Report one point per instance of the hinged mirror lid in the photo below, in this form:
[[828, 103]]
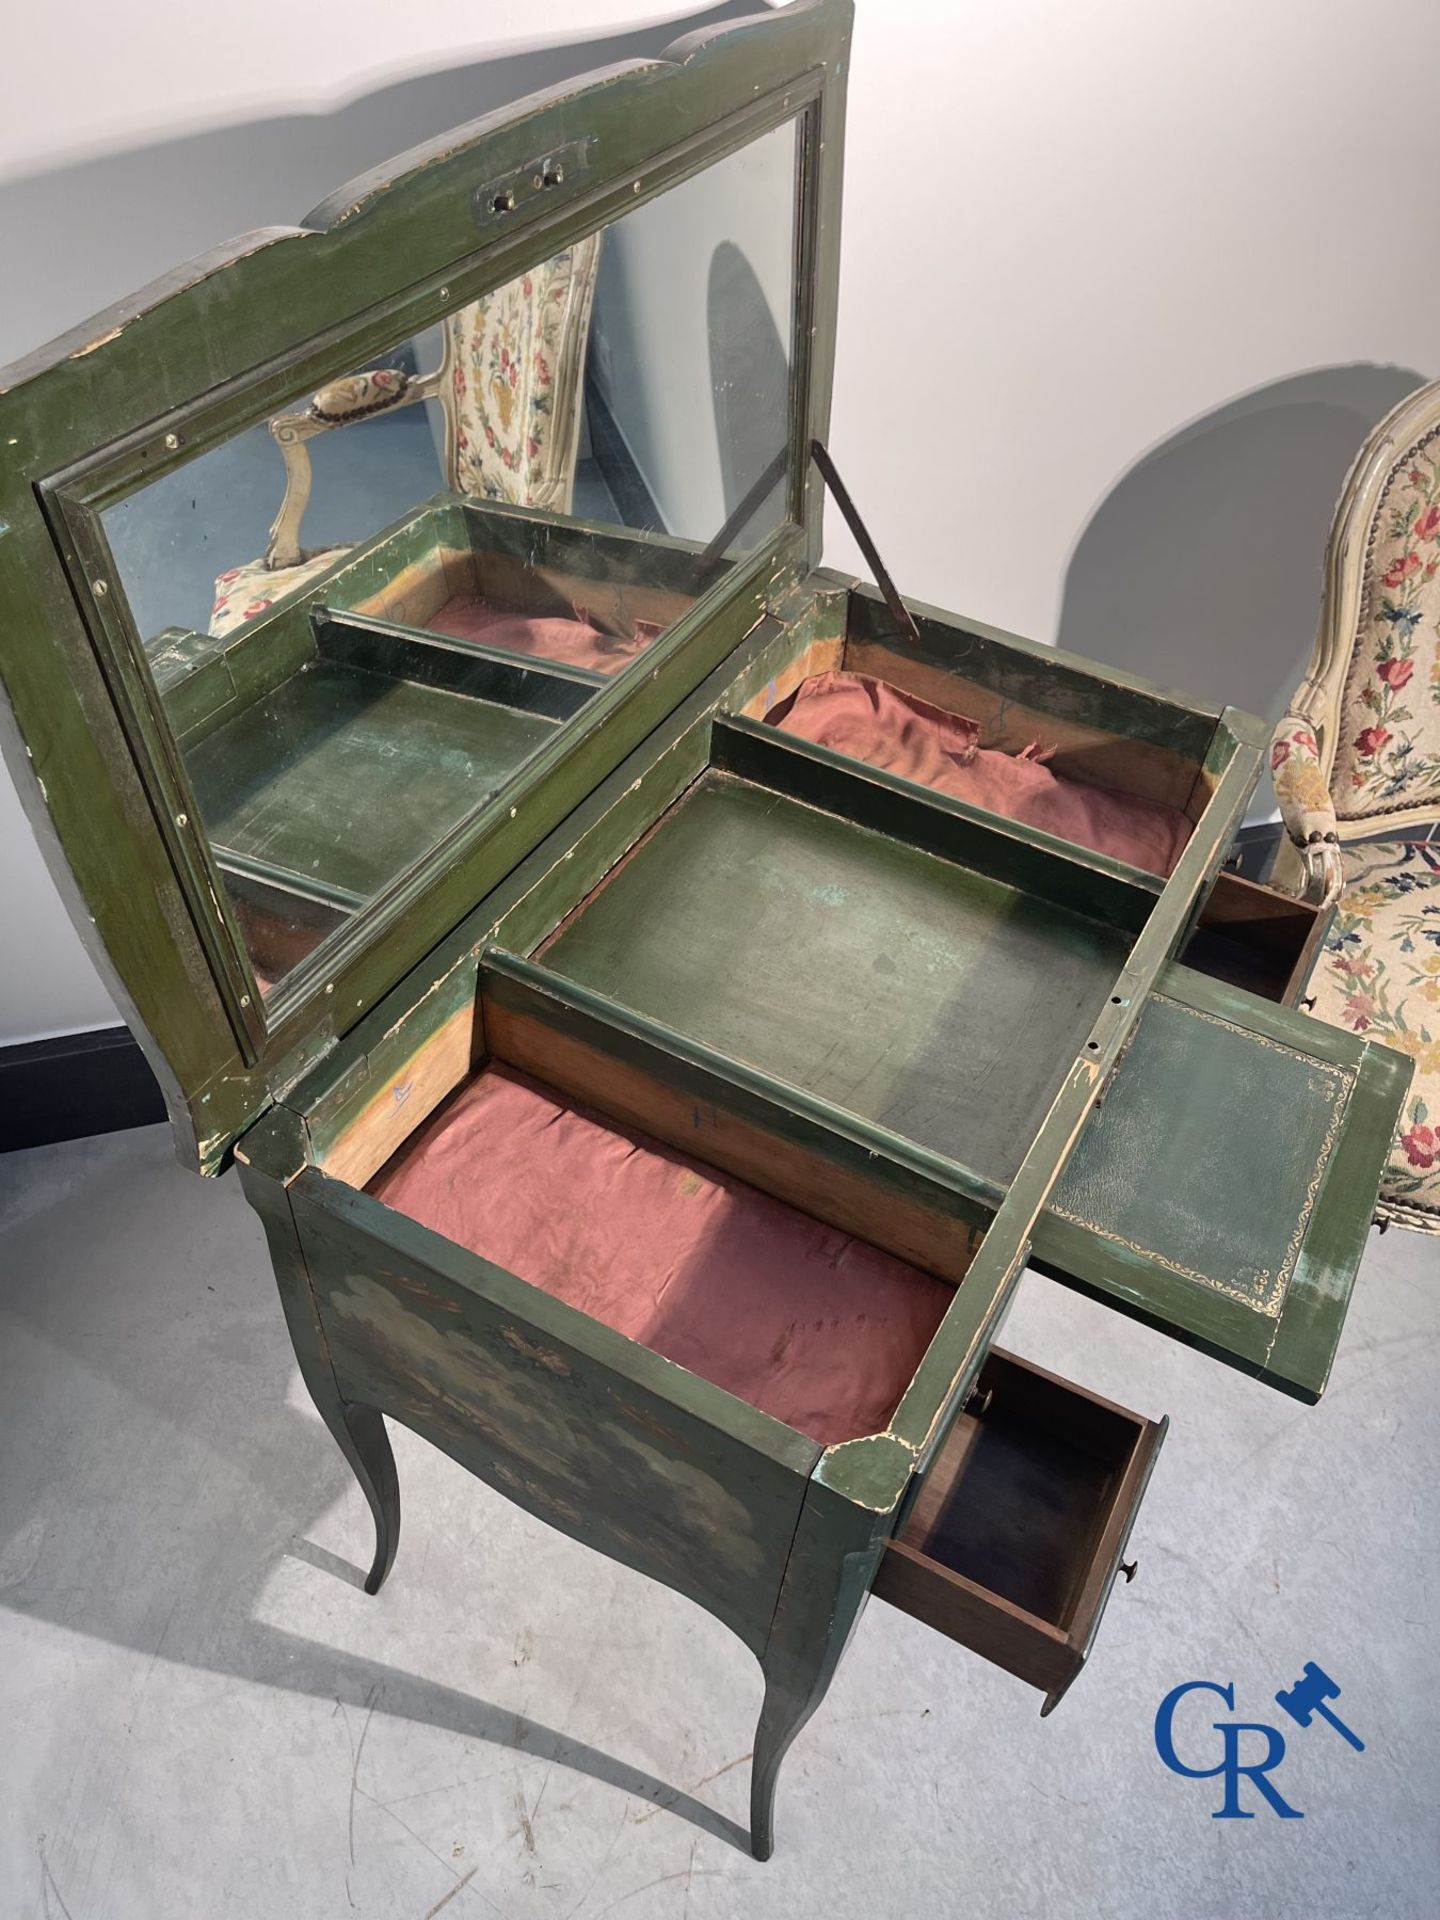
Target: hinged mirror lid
[[338, 566]]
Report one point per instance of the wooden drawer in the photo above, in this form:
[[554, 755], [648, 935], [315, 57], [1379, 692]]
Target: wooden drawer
[[1014, 1539], [1257, 938]]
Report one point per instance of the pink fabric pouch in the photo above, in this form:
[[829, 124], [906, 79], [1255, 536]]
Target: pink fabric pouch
[[577, 643], [818, 1329], [870, 720]]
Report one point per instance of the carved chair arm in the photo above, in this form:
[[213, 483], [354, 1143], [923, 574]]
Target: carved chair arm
[[359, 396], [1306, 807]]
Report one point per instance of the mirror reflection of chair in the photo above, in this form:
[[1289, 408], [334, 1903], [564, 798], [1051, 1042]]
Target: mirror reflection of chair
[[510, 382], [1356, 760]]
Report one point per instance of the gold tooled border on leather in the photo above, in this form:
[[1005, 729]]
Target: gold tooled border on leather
[[1271, 1287]]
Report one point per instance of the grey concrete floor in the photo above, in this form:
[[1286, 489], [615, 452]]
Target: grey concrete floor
[[202, 1716]]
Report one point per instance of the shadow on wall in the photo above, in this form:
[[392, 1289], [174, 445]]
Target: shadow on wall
[[81, 236], [1201, 569]]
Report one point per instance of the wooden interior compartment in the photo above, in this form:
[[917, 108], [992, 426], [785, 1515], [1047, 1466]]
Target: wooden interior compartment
[[931, 976], [1254, 937], [1098, 728], [633, 1168], [995, 956], [1015, 1534], [347, 768], [989, 983], [642, 1076], [448, 554], [459, 561]]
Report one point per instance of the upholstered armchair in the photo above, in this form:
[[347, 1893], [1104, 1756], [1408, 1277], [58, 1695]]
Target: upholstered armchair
[[510, 378], [1357, 773]]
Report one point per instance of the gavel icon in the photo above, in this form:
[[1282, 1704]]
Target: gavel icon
[[1307, 1698]]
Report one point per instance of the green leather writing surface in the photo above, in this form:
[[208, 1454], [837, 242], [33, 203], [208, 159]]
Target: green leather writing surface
[[1223, 1187], [1208, 1153]]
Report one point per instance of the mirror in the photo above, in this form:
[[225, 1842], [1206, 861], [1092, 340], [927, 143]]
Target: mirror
[[366, 612]]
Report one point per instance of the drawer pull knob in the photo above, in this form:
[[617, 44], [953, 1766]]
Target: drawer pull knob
[[1308, 1003], [979, 1403], [1129, 1568]]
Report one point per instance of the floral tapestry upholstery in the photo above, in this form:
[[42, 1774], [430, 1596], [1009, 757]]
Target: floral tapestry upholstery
[[1300, 786], [515, 362], [511, 387], [242, 593], [1379, 975], [1387, 750]]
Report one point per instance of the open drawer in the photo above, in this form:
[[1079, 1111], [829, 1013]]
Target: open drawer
[[1257, 938], [1015, 1536]]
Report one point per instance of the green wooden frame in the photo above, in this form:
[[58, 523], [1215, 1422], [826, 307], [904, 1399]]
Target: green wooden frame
[[242, 330], [1158, 915]]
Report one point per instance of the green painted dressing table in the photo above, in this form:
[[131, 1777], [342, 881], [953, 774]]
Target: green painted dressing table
[[485, 787]]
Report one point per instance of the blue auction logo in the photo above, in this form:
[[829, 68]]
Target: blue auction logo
[[1241, 1760]]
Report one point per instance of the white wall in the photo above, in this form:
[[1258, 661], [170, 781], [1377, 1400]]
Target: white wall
[[656, 351], [1124, 284], [88, 78]]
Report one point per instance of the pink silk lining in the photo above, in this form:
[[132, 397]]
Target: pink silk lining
[[870, 720], [546, 636], [816, 1328]]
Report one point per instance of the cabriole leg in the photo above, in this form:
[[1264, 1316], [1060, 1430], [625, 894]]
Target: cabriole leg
[[826, 1580], [366, 1446], [788, 1704], [358, 1430]]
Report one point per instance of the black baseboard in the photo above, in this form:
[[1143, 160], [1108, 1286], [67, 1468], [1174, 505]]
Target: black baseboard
[[82, 1083]]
